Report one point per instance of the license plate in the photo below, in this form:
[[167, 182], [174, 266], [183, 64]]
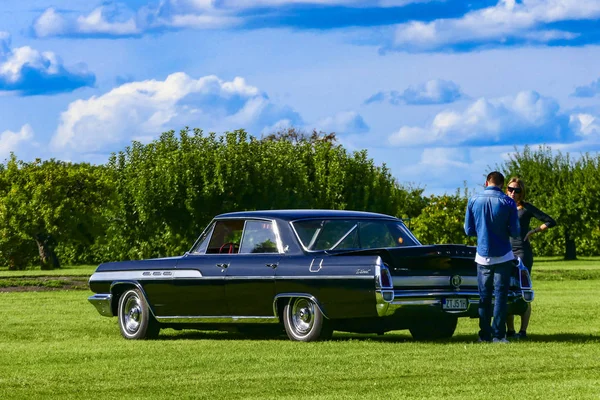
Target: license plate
[[454, 304]]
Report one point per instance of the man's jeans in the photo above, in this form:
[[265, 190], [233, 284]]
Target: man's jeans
[[493, 280]]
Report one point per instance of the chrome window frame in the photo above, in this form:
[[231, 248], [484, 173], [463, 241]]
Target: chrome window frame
[[210, 227]]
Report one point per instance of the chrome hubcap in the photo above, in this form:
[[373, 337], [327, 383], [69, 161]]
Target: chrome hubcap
[[132, 314], [303, 316]]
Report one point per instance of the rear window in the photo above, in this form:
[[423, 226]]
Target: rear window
[[344, 234]]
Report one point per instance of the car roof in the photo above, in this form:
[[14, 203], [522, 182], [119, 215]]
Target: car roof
[[305, 214]]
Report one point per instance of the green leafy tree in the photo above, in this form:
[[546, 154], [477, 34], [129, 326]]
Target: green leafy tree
[[169, 189], [442, 220], [565, 188], [46, 202]]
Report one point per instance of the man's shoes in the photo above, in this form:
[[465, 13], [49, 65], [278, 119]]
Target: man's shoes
[[511, 334], [498, 340], [522, 335]]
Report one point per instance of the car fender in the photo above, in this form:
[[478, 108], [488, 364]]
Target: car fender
[[117, 288], [282, 296]]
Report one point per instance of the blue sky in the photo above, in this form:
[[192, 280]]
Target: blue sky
[[439, 90]]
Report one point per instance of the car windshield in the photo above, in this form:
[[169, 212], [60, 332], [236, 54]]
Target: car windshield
[[348, 234]]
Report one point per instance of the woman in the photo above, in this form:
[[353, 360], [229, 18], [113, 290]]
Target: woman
[[522, 246]]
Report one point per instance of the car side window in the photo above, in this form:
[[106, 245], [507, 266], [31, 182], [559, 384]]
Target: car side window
[[259, 237], [203, 240], [226, 237]]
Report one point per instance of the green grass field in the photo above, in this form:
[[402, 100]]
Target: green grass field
[[78, 270], [54, 344]]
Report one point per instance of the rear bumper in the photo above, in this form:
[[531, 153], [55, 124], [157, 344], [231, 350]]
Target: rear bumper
[[103, 303], [393, 302]]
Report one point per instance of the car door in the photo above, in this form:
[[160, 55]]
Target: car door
[[199, 287], [199, 284], [250, 278]]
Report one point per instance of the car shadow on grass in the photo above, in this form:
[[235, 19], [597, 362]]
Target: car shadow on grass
[[395, 337]]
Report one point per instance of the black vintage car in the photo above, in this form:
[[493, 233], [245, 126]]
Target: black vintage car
[[309, 272]]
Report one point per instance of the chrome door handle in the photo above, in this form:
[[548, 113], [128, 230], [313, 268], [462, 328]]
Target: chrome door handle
[[223, 266], [273, 266]]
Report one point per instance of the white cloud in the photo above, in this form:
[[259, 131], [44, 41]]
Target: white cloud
[[503, 22], [50, 23], [30, 72], [586, 126], [446, 157], [97, 22], [524, 119], [436, 91], [443, 170], [145, 109], [345, 122], [119, 21], [590, 90], [349, 3], [12, 141]]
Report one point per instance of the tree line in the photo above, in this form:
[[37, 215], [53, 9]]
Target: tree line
[[153, 200]]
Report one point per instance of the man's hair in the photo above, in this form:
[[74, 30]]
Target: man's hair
[[496, 178]]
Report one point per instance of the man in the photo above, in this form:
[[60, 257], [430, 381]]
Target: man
[[492, 217]]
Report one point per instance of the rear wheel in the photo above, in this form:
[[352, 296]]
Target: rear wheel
[[135, 319], [442, 327], [304, 321]]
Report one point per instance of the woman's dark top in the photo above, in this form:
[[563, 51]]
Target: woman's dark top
[[520, 247]]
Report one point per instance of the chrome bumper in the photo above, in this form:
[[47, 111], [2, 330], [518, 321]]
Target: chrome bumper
[[103, 303], [390, 301]]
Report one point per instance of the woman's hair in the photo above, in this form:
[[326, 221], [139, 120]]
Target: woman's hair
[[521, 184]]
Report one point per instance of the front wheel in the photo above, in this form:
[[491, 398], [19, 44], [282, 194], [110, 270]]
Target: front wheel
[[135, 319], [442, 327], [304, 321]]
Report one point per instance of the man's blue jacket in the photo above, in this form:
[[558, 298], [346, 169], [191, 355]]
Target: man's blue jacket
[[492, 217]]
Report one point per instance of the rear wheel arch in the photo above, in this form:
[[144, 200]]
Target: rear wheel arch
[[281, 300], [304, 320]]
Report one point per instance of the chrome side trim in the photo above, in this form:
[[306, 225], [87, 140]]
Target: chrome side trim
[[424, 293], [227, 319], [294, 295], [143, 275], [435, 281], [325, 277], [103, 303], [300, 277], [197, 275]]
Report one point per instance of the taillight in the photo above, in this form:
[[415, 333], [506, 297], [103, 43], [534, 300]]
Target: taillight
[[385, 278], [525, 279]]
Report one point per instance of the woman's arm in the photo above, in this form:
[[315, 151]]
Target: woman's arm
[[548, 221]]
